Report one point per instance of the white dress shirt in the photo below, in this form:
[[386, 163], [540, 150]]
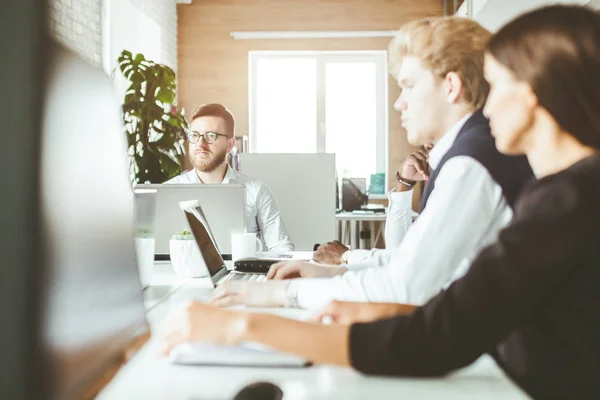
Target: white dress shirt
[[262, 211], [399, 213], [464, 213]]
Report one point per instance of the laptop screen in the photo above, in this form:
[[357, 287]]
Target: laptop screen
[[208, 250]]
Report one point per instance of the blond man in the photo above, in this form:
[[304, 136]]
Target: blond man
[[471, 187]]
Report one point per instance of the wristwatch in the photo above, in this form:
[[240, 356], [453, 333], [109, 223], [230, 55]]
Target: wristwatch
[[405, 182], [291, 295]]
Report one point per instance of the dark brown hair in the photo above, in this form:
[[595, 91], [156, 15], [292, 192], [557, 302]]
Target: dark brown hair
[[216, 110], [446, 44], [556, 50]]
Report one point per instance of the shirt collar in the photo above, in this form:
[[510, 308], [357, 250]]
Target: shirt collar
[[443, 145], [193, 176], [230, 176]]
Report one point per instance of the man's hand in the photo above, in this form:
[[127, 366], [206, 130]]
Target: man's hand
[[302, 269], [257, 294], [416, 166], [202, 323], [347, 313], [330, 253]]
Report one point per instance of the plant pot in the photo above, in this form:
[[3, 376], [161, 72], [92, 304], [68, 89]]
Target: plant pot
[[186, 259], [144, 248]]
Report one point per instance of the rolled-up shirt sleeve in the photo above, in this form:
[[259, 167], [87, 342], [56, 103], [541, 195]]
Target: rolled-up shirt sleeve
[[397, 223], [360, 259], [399, 218]]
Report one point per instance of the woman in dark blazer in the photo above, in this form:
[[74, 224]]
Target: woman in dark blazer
[[532, 299]]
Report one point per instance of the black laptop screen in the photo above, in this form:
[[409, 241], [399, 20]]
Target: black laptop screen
[[208, 250]]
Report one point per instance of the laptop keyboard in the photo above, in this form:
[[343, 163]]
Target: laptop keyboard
[[246, 277]]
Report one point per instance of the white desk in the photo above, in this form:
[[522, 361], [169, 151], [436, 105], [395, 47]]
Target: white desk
[[149, 376]]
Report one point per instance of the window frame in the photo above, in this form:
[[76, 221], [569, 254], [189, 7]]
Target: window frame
[[378, 57]]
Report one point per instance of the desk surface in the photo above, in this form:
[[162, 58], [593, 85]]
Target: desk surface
[[348, 216], [150, 376]]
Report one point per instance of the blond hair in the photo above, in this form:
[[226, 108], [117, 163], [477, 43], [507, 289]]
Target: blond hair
[[443, 45]]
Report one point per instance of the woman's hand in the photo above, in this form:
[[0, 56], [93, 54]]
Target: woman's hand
[[203, 323], [348, 313]]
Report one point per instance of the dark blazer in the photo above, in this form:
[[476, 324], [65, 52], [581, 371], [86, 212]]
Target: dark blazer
[[531, 300], [475, 140]]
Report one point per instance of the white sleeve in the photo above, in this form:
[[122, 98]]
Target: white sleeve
[[397, 223], [460, 210], [360, 259], [270, 223], [399, 218], [357, 257]]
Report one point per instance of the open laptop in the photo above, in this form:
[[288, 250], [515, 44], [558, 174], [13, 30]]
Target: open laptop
[[224, 208], [209, 249], [248, 354]]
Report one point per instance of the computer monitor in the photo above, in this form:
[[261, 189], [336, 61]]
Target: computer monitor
[[313, 188], [22, 43], [91, 304], [224, 207]]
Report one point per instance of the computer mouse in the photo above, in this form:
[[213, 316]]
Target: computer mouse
[[260, 391]]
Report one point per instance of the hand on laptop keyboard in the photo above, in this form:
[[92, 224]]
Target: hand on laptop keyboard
[[303, 269], [258, 294], [245, 277]]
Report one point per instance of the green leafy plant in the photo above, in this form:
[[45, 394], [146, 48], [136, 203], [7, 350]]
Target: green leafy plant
[[155, 129]]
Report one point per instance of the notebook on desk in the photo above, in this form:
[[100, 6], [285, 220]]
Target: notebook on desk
[[243, 355]]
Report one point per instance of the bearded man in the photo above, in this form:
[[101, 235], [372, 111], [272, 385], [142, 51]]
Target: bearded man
[[211, 138]]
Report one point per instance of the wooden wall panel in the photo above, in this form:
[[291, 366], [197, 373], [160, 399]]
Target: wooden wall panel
[[213, 67]]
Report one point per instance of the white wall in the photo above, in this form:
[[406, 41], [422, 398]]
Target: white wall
[[493, 14], [477, 5], [99, 30], [164, 14], [77, 25], [140, 26]]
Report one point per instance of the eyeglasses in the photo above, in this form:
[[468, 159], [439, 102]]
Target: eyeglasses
[[209, 137]]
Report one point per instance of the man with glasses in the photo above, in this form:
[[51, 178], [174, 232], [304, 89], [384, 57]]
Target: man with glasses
[[211, 138]]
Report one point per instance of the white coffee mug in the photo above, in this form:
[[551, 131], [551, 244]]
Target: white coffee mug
[[245, 245], [144, 247]]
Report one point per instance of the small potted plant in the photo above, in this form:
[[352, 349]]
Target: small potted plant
[[185, 256]]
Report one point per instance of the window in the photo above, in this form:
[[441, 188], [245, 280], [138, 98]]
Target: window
[[311, 102]]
